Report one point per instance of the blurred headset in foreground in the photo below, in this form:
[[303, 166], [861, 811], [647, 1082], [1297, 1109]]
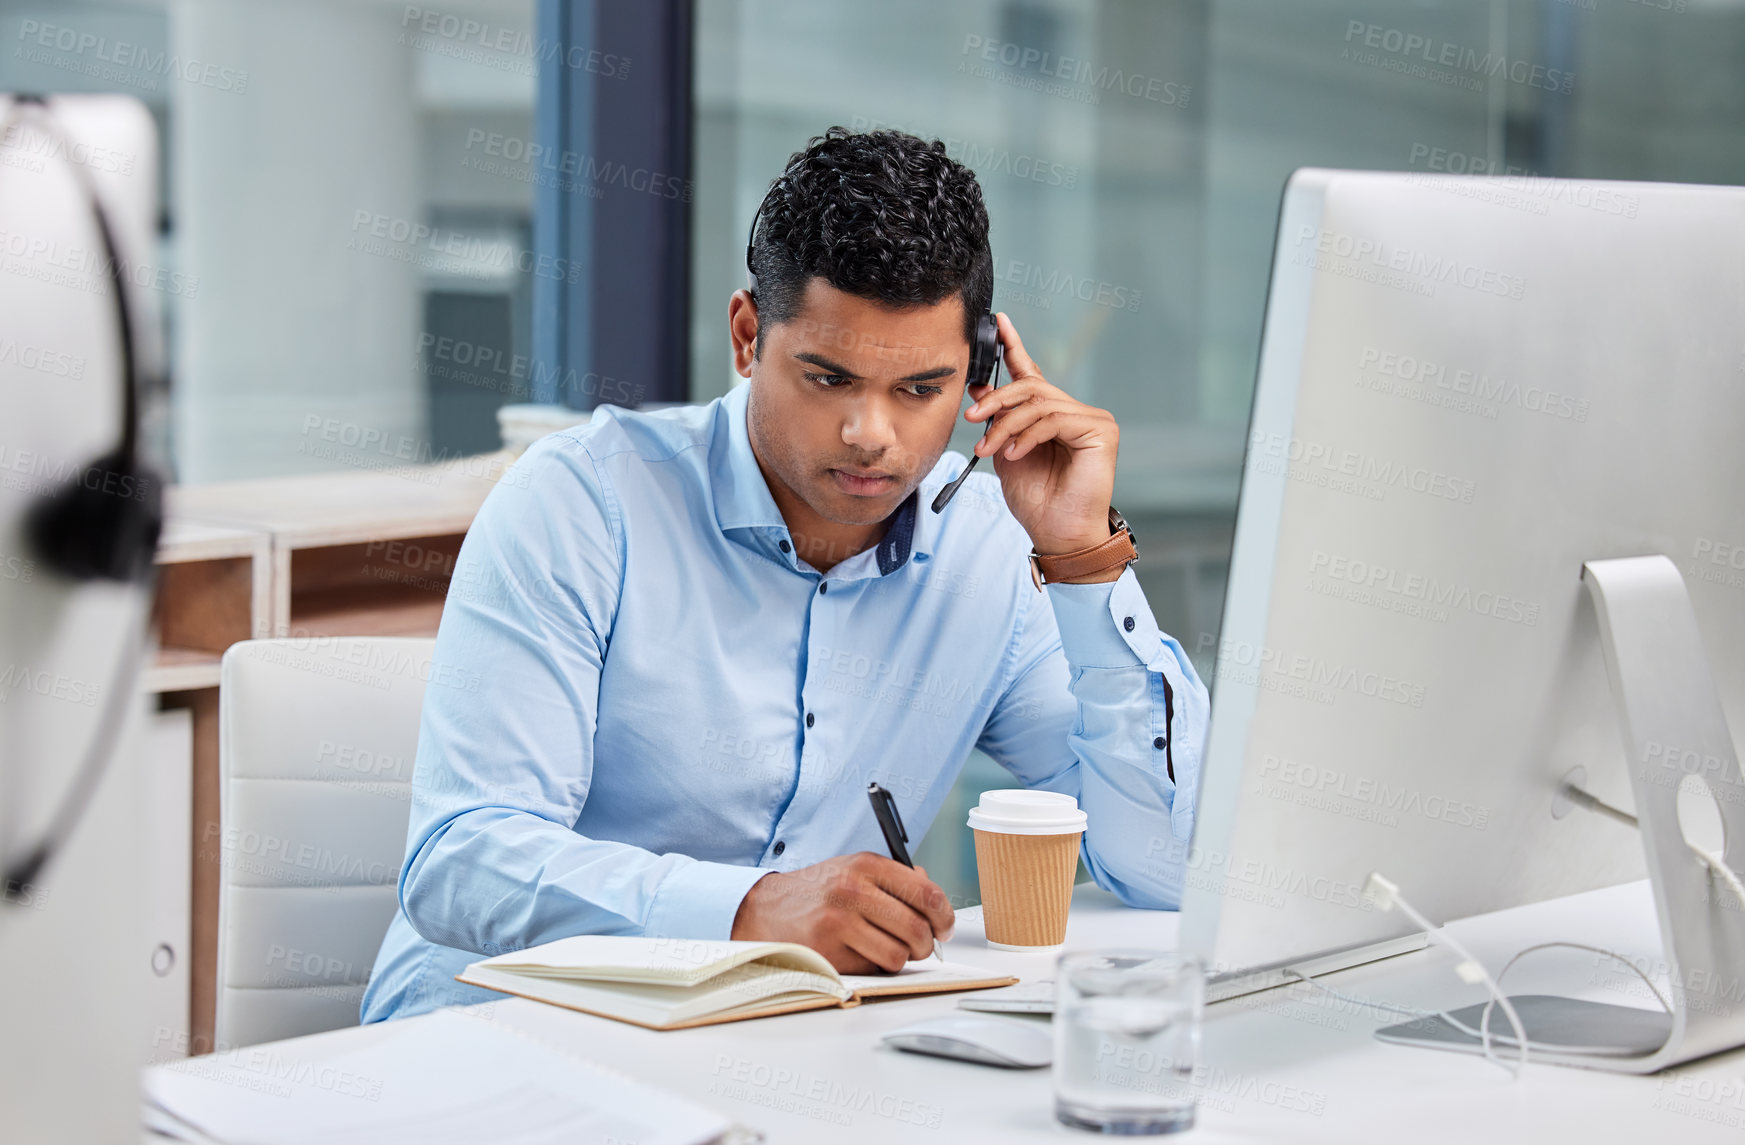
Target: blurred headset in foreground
[[101, 525], [89, 529]]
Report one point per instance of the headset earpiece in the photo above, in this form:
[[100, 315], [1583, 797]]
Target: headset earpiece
[[984, 353], [103, 524]]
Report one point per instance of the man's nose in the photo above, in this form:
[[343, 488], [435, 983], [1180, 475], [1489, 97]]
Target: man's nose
[[869, 427]]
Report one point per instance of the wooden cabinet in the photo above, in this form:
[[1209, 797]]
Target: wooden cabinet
[[331, 554], [214, 585]]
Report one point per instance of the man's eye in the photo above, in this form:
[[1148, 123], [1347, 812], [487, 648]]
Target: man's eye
[[828, 381], [926, 391]]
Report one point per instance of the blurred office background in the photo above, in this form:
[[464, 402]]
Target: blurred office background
[[383, 221]]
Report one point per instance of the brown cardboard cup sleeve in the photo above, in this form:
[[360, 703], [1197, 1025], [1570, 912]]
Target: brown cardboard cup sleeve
[[1027, 848]]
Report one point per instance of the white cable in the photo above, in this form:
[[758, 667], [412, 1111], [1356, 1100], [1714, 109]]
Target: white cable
[[1585, 798], [1713, 859], [1547, 1047], [1719, 866], [1598, 1051], [1356, 1001], [1408, 1011], [1386, 896]]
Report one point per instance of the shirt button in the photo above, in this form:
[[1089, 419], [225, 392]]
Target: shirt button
[[779, 847], [823, 587], [1127, 624], [808, 719], [784, 546], [1158, 743]]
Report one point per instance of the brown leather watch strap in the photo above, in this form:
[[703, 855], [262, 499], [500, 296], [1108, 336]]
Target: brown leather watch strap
[[1119, 549]]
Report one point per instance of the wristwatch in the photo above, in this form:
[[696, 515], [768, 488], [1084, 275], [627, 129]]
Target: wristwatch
[[1119, 549]]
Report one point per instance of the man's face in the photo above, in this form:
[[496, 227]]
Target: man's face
[[852, 402]]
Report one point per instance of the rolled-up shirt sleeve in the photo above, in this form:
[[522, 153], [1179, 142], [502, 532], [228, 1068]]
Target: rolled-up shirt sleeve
[[1106, 707], [504, 764]]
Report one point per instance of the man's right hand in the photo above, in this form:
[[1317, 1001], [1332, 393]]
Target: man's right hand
[[866, 913]]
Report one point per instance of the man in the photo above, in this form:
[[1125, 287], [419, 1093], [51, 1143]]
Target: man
[[702, 632]]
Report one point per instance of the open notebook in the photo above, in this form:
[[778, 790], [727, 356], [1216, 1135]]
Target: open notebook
[[668, 984]]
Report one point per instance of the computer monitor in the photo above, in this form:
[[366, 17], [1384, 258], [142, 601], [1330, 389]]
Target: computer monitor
[[1468, 388]]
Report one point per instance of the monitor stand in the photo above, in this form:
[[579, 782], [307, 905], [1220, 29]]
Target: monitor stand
[[1673, 726], [1599, 1034]]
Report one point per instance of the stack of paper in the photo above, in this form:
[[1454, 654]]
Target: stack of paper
[[444, 1079]]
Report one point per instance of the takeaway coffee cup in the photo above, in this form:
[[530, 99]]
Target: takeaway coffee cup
[[1027, 850]]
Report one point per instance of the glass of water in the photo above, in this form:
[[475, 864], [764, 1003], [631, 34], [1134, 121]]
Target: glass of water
[[1127, 1040]]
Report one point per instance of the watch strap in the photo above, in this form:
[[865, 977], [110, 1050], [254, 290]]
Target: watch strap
[[1119, 549]]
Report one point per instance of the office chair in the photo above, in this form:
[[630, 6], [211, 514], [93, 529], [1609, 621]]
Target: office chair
[[316, 746]]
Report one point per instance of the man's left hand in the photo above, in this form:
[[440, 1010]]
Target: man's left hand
[[1055, 456]]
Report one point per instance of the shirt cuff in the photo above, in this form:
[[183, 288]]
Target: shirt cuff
[[1105, 625], [700, 900]]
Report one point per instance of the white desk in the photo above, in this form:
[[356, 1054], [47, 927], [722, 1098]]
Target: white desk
[[1287, 1065]]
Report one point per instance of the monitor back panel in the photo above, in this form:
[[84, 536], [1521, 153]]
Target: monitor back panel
[[1467, 388]]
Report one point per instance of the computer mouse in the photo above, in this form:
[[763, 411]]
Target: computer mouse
[[1008, 1042]]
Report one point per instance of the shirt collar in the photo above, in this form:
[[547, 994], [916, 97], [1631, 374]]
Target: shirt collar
[[742, 497], [899, 538], [743, 501]]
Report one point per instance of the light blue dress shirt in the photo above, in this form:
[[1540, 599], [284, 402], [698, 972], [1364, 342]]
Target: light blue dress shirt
[[674, 704]]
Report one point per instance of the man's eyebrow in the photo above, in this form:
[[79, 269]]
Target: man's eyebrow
[[825, 364], [828, 366]]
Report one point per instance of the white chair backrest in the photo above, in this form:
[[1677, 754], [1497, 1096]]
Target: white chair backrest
[[316, 744]]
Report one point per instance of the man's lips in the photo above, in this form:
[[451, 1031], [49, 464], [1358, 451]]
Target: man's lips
[[862, 484]]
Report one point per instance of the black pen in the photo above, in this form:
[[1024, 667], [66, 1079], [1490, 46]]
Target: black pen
[[891, 823]]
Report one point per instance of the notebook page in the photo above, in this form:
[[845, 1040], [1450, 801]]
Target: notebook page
[[924, 975], [678, 961]]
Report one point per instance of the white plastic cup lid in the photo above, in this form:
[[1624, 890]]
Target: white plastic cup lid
[[1026, 812]]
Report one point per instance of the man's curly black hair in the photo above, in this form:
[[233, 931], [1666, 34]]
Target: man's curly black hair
[[881, 215]]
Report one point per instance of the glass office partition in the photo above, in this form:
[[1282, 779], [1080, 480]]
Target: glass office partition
[[1132, 153], [347, 215]]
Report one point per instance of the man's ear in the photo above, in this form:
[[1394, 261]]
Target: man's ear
[[742, 329]]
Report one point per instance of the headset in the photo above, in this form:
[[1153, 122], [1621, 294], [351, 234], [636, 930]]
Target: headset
[[985, 350], [102, 524], [95, 527]]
